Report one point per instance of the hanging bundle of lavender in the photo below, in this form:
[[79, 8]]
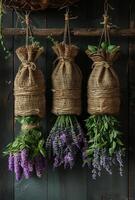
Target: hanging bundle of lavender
[[26, 154], [66, 138], [105, 147]]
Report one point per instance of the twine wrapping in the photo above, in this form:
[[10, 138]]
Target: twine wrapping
[[29, 85], [29, 126], [103, 85], [67, 81], [36, 5]]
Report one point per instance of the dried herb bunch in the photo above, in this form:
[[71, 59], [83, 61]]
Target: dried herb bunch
[[27, 152], [105, 148], [65, 141], [66, 138]]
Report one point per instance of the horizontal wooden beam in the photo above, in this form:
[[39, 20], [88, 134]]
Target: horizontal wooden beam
[[90, 32]]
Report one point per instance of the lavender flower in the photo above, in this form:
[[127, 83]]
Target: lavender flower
[[24, 163], [68, 160], [30, 166], [57, 162], [11, 162], [63, 138], [120, 161], [39, 166], [66, 139], [17, 166], [24, 158]]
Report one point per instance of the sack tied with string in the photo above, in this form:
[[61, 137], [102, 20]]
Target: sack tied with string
[[66, 138], [67, 81], [104, 138], [29, 85], [103, 85], [26, 154]]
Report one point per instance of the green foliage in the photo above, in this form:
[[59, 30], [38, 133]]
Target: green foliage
[[52, 40], [103, 133], [64, 121], [32, 40], [30, 139], [104, 47]]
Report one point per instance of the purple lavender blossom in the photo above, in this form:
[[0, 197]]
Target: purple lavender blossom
[[120, 161], [39, 166], [24, 158], [30, 166], [66, 142], [57, 162], [11, 162], [68, 160], [24, 163], [17, 166], [63, 138]]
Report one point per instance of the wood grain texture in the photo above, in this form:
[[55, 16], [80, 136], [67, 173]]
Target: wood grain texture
[[6, 115], [79, 32], [131, 68], [76, 184], [114, 187], [34, 188]]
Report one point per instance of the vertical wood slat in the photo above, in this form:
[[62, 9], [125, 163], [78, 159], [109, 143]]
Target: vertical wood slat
[[6, 115], [34, 188], [63, 184], [76, 184], [113, 187], [132, 105]]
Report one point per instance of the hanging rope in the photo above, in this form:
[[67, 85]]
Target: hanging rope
[[106, 23], [67, 33], [28, 30]]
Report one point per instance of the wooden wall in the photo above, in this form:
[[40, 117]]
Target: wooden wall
[[73, 184]]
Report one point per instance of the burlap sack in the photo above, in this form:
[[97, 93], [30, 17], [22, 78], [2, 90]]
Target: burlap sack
[[67, 81], [36, 5], [29, 85], [103, 85]]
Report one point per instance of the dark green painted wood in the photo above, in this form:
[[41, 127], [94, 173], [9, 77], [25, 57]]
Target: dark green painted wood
[[6, 116], [131, 67], [34, 188], [114, 187], [66, 184]]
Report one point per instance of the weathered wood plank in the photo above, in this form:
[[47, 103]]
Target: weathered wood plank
[[64, 184], [82, 32], [114, 187], [33, 188], [6, 116], [131, 67]]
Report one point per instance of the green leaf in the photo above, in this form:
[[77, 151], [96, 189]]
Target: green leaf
[[114, 145], [104, 45], [119, 142], [43, 152], [92, 49]]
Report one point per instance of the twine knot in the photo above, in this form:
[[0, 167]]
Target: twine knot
[[63, 59], [101, 63], [29, 65]]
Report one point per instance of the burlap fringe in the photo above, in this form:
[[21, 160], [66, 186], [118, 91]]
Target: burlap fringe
[[29, 84], [103, 85], [67, 81]]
